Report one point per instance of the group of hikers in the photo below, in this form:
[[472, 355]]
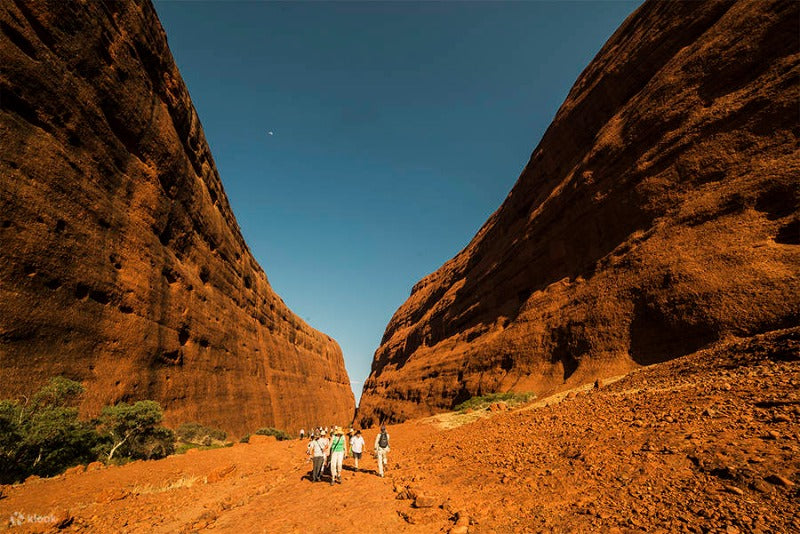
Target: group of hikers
[[328, 447]]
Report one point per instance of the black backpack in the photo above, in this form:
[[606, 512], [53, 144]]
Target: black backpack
[[383, 441]]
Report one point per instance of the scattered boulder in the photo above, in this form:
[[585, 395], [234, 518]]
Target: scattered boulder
[[63, 519], [424, 501], [111, 494], [219, 474], [74, 470], [498, 407], [94, 466], [779, 480]]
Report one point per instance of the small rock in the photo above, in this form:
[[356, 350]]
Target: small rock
[[761, 486], [94, 466], [781, 418], [406, 517], [219, 474], [111, 495], [772, 434], [63, 519], [779, 480], [75, 470], [734, 490], [424, 501]]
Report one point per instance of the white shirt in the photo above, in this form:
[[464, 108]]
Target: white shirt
[[357, 443]]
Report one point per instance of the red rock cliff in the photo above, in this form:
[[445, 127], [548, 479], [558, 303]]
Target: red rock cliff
[[658, 214], [121, 263]]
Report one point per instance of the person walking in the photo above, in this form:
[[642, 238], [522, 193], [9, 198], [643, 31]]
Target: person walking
[[316, 451], [382, 449], [338, 448], [324, 442], [357, 447]]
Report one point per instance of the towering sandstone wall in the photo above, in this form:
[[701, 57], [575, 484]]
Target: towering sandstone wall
[[121, 263], [658, 214]]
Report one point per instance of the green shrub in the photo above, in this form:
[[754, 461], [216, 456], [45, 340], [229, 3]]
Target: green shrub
[[280, 435], [198, 434], [482, 402], [133, 432], [43, 435]]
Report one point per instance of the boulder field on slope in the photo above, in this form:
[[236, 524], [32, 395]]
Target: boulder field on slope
[[121, 262], [658, 214]]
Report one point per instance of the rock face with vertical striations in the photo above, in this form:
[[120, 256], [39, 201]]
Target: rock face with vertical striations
[[658, 215], [121, 263]]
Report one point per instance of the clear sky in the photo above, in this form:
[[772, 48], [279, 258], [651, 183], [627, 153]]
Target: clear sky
[[364, 144]]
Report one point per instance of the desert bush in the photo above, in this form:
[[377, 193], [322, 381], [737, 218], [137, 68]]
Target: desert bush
[[133, 431], [42, 435], [198, 434], [483, 401], [280, 435]]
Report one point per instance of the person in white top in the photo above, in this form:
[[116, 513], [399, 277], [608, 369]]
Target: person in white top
[[316, 452], [357, 447], [324, 441]]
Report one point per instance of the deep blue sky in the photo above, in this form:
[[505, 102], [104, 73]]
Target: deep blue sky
[[398, 128]]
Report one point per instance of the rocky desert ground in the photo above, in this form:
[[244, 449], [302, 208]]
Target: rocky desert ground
[[705, 443]]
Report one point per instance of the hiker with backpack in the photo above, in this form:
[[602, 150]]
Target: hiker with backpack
[[337, 448], [316, 452], [382, 449]]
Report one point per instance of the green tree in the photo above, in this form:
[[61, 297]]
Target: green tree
[[133, 430], [42, 435]]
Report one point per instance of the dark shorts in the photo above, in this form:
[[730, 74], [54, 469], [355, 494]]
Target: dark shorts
[[357, 455]]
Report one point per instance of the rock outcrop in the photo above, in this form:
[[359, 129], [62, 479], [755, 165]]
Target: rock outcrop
[[121, 262], [658, 215]]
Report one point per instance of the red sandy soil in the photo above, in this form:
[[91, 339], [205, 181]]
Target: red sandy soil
[[704, 443]]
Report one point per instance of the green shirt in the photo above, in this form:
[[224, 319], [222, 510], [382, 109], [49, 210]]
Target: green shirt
[[337, 444]]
